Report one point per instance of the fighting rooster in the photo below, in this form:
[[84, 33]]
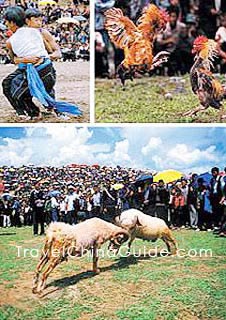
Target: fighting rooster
[[208, 89], [136, 41]]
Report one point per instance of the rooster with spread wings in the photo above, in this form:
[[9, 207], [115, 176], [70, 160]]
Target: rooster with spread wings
[[136, 40], [209, 90]]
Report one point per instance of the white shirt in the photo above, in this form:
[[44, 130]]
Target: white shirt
[[89, 206], [28, 42], [62, 206], [217, 4], [221, 35], [54, 203], [70, 198], [96, 199]]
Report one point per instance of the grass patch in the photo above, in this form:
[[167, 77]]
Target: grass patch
[[143, 100], [129, 288]]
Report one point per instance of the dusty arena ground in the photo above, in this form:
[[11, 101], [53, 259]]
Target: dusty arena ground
[[72, 86], [138, 287]]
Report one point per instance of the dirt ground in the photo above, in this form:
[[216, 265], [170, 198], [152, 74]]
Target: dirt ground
[[134, 287], [72, 86]]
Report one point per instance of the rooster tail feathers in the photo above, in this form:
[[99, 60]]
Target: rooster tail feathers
[[152, 18], [121, 29]]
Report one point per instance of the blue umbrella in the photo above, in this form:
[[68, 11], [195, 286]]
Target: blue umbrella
[[54, 193], [6, 196], [144, 177], [206, 176]]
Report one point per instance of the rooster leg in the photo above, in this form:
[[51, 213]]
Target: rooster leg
[[204, 104], [159, 59], [194, 111], [124, 73]]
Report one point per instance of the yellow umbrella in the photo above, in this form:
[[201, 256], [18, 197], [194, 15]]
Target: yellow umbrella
[[45, 2], [168, 176], [67, 20], [117, 186]]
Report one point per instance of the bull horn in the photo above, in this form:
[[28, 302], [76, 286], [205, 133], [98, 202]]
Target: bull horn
[[138, 222], [117, 218], [124, 232]]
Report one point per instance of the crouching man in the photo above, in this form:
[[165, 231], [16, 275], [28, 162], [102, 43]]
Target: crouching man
[[35, 76]]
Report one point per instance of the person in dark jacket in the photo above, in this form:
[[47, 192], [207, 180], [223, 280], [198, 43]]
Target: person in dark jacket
[[204, 206], [216, 194], [16, 206], [37, 202], [109, 199], [209, 13], [150, 200], [162, 201]]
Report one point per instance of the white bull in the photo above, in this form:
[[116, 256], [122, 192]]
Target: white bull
[[146, 227]]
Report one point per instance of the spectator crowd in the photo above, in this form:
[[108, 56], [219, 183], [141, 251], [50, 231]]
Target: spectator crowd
[[68, 24], [187, 20], [36, 196]]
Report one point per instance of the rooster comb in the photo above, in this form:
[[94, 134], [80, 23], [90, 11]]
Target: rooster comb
[[200, 41], [205, 48]]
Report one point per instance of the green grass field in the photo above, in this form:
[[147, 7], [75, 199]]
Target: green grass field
[[143, 100], [143, 288]]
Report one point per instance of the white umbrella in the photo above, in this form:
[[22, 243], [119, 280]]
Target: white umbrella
[[67, 20], [80, 18]]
